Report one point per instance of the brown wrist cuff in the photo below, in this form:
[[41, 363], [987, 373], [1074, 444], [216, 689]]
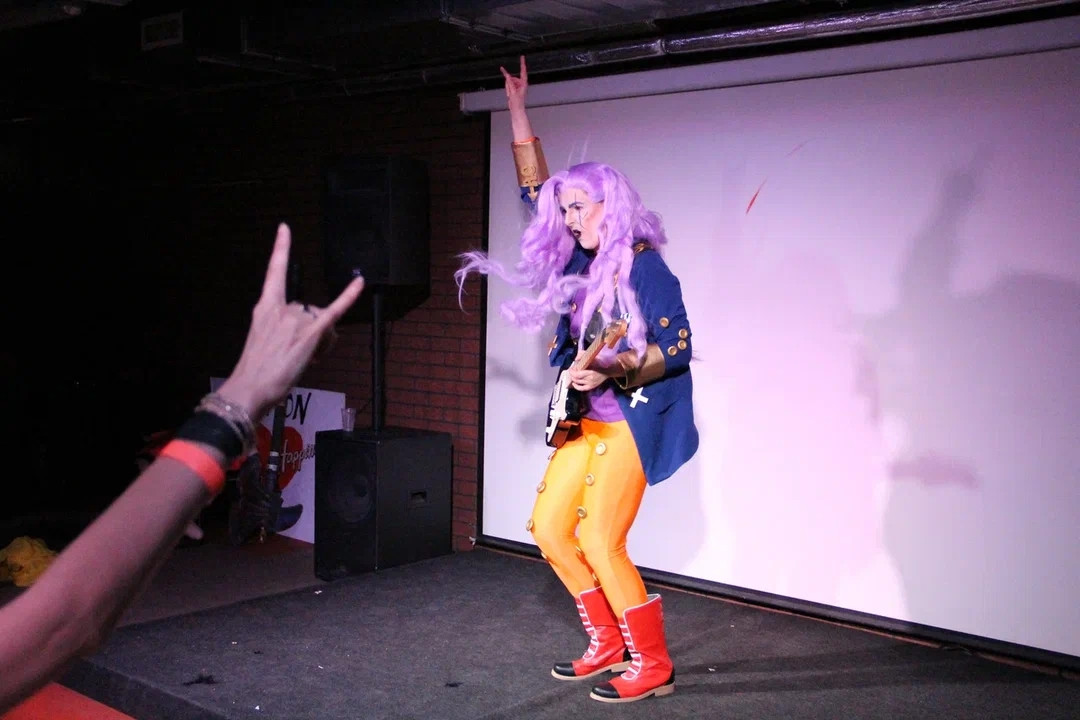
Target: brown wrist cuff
[[636, 374], [532, 169]]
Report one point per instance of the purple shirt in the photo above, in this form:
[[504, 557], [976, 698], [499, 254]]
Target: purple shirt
[[603, 406]]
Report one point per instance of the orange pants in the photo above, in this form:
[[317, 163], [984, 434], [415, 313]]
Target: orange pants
[[584, 508]]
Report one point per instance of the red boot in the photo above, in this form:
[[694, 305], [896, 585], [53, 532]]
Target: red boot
[[651, 672], [606, 651]]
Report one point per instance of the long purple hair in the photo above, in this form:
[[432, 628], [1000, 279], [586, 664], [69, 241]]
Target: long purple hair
[[546, 246]]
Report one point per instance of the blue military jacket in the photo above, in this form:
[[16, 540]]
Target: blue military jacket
[[661, 413]]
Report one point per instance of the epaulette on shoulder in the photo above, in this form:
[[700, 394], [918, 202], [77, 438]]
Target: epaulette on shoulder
[[642, 246]]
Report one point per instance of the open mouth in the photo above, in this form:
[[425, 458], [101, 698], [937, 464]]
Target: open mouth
[[576, 234]]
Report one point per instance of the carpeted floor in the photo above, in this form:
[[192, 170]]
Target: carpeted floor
[[474, 635], [214, 574]]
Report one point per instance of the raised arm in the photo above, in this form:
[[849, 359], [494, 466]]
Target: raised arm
[[532, 169], [516, 90]]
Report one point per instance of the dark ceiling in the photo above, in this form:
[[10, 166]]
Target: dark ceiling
[[70, 55]]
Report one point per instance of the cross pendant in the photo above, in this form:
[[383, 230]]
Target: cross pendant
[[638, 395]]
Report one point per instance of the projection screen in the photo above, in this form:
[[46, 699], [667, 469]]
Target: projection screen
[[879, 249]]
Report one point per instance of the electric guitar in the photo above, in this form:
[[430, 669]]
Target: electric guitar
[[273, 466], [258, 508], [567, 405]]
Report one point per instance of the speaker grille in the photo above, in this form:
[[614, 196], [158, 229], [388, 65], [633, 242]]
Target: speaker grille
[[345, 507], [382, 498], [357, 225], [378, 220]]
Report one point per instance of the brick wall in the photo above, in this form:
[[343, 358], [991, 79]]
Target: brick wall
[[201, 196]]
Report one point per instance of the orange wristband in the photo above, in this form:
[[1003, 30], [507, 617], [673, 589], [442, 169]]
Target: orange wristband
[[199, 461]]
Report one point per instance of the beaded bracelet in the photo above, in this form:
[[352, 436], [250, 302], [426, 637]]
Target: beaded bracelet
[[199, 461], [235, 415]]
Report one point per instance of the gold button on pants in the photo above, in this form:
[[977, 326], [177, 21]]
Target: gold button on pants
[[613, 487]]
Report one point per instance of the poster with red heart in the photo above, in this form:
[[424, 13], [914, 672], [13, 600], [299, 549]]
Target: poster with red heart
[[307, 411]]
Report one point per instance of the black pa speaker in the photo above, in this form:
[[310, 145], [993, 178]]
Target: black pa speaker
[[382, 498], [377, 223]]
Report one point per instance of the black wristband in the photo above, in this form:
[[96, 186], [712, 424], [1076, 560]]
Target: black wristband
[[215, 431]]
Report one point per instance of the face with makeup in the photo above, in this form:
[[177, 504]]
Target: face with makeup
[[582, 217]]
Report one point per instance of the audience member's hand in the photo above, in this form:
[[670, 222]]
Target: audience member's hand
[[283, 337]]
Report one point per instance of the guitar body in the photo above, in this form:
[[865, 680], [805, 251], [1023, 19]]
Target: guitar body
[[258, 510], [565, 410], [567, 405]]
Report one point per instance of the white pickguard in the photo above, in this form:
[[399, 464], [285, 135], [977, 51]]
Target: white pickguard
[[557, 407]]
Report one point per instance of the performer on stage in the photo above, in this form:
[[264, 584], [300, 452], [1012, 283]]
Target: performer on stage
[[592, 252]]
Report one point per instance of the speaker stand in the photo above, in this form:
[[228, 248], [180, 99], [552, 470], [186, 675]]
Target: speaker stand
[[377, 350]]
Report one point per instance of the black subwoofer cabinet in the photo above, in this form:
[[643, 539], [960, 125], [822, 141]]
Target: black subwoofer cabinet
[[382, 499]]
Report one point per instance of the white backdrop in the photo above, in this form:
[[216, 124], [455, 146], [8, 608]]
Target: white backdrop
[[882, 272]]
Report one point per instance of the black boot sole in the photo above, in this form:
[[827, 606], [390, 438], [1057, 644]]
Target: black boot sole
[[616, 668]]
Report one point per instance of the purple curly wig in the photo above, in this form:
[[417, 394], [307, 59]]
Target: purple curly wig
[[546, 246]]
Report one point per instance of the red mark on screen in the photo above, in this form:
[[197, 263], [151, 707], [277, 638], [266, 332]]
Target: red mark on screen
[[757, 192]]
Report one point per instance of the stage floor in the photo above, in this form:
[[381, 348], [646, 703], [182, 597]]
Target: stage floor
[[250, 632]]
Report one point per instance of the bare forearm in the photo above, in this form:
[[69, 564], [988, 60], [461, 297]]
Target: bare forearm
[[520, 125], [74, 605]]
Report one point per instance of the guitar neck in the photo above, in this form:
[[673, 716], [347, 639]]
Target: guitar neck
[[591, 352], [277, 441], [278, 433]]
